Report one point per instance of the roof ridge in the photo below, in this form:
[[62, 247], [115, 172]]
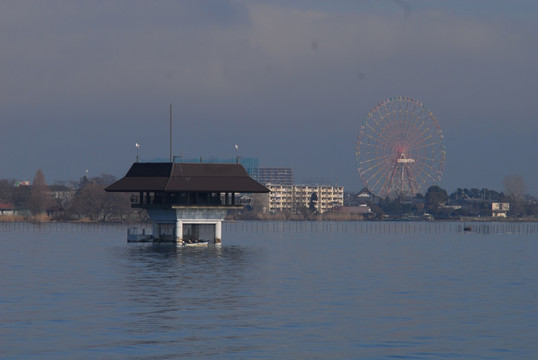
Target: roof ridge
[[169, 175]]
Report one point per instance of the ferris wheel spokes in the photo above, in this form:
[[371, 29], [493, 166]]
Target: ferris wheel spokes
[[400, 148], [386, 171]]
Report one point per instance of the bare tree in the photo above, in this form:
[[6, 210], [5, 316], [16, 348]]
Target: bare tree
[[516, 190], [97, 205], [515, 187], [40, 197], [260, 203]]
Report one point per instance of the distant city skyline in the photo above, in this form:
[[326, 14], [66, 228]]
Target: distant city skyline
[[289, 82]]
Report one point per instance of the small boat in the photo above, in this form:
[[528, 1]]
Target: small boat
[[467, 228], [195, 243]]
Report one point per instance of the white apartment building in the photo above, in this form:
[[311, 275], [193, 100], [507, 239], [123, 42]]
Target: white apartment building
[[293, 197]]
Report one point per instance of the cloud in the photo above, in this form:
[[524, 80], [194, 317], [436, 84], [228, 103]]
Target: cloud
[[112, 49]]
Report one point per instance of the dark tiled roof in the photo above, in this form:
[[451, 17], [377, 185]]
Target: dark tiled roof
[[180, 177]]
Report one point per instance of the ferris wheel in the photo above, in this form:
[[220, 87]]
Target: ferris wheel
[[400, 148]]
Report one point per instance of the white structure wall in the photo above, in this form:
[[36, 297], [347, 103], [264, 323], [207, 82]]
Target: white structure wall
[[291, 197], [499, 209]]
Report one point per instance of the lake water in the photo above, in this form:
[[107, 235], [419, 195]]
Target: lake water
[[284, 290]]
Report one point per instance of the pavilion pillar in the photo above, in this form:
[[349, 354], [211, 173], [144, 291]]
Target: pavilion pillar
[[218, 232], [156, 230], [179, 231]]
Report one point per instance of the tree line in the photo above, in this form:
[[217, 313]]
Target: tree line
[[84, 200], [465, 202]]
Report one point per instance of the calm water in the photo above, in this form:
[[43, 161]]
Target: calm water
[[272, 291]]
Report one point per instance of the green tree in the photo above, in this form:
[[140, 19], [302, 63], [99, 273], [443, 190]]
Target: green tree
[[376, 210], [435, 197], [6, 191], [20, 196], [313, 205]]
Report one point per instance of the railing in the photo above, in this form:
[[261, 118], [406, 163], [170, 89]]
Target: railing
[[160, 200]]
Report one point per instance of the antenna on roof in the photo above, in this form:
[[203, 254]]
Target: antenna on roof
[[171, 159], [236, 154]]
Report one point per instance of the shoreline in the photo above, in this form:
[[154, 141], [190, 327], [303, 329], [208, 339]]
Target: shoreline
[[41, 220]]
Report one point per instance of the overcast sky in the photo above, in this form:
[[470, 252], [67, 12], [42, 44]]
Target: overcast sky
[[290, 82]]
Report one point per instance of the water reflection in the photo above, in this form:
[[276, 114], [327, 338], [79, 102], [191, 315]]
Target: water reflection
[[185, 295], [172, 259]]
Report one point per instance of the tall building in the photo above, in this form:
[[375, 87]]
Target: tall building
[[293, 197], [281, 176], [250, 164], [264, 175]]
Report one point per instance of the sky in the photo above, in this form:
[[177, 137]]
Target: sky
[[290, 82]]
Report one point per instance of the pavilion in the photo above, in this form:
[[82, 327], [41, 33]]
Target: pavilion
[[185, 201]]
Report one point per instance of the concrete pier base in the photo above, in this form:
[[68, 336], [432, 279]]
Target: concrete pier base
[[188, 223], [218, 232], [156, 230], [179, 231]]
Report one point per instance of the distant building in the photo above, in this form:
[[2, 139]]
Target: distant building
[[250, 164], [499, 209], [263, 175], [7, 209], [293, 197], [62, 194], [364, 196], [280, 176]]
